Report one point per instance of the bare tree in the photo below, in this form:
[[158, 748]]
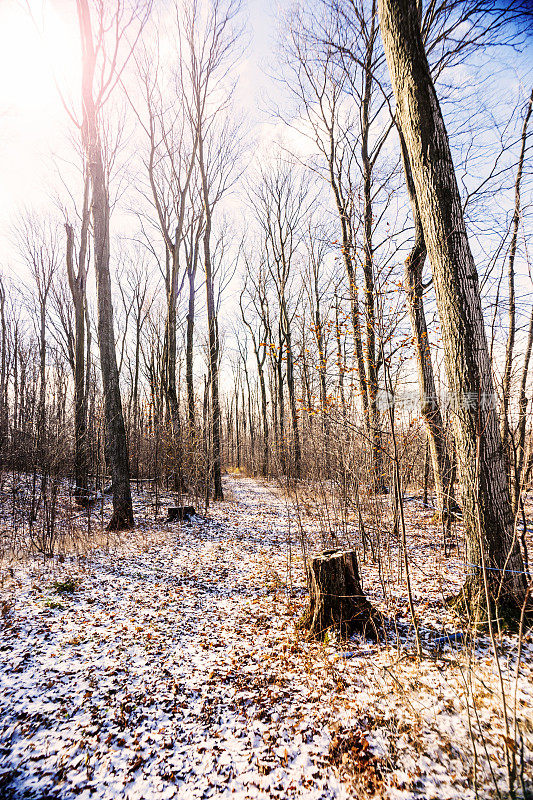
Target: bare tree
[[39, 247], [4, 358], [337, 65], [77, 280], [211, 41], [511, 334], [102, 66], [492, 547], [170, 163], [192, 252], [282, 200], [257, 324], [430, 407], [136, 291]]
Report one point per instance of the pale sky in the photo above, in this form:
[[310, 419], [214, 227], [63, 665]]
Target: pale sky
[[34, 126], [38, 56], [33, 123]]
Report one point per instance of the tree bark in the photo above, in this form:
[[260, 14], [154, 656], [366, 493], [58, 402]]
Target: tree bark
[[260, 360], [337, 600], [214, 347], [77, 285], [347, 255], [371, 366], [520, 457], [285, 324], [341, 363], [117, 447], [280, 404], [4, 380], [436, 437], [171, 349], [189, 345], [318, 330], [509, 350], [492, 550]]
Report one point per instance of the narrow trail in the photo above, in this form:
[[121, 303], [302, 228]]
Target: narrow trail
[[171, 670], [175, 669]]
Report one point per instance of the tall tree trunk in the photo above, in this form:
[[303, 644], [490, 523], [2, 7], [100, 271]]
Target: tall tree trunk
[[490, 539], [506, 383], [171, 387], [42, 438], [369, 350], [297, 454], [171, 351], [347, 255], [264, 409], [251, 422], [16, 392], [520, 458], [41, 415], [77, 290], [414, 264], [260, 360], [214, 348], [135, 395], [280, 405], [340, 362], [117, 447], [322, 365], [3, 379], [189, 346]]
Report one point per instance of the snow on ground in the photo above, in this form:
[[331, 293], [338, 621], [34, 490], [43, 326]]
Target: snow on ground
[[175, 669]]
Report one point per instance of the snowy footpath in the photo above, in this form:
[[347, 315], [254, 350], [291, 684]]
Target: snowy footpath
[[167, 671], [169, 664]]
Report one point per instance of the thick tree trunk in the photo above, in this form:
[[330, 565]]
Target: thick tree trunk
[[436, 437], [337, 600], [117, 448], [493, 552]]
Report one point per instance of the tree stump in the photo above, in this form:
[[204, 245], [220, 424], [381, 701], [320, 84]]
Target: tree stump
[[180, 513], [336, 597]]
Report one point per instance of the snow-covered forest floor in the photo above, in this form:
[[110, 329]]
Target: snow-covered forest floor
[[167, 662]]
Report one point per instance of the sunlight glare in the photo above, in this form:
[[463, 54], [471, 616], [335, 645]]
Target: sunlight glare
[[35, 54]]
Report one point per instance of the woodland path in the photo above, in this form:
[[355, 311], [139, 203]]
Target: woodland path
[[172, 670]]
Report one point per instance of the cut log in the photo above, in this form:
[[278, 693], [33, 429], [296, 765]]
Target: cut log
[[337, 600], [180, 513]]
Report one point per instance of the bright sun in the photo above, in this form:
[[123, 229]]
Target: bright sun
[[34, 53]]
